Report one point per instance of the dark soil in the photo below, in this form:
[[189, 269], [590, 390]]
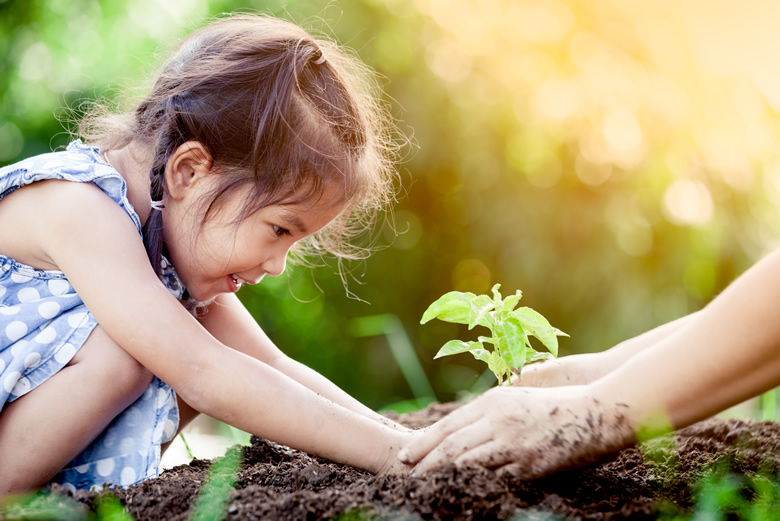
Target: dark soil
[[276, 482]]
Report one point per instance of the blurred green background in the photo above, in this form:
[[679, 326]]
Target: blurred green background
[[617, 161]]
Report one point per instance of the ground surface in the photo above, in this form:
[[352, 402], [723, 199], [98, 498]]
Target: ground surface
[[276, 482]]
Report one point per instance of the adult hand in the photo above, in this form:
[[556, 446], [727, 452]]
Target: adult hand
[[570, 370], [525, 432]]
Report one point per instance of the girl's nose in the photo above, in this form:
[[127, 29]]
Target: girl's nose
[[275, 264]]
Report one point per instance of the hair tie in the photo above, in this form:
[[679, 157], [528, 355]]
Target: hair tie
[[157, 205], [320, 60]]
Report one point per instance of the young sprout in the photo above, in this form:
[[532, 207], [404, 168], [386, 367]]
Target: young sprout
[[510, 330]]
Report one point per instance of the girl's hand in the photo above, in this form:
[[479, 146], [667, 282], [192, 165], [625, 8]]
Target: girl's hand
[[391, 464], [526, 432]]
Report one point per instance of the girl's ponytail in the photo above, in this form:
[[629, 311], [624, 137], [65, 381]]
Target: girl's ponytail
[[153, 227], [166, 117]]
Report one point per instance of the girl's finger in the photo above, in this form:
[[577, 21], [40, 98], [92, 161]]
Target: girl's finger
[[435, 434], [453, 446]]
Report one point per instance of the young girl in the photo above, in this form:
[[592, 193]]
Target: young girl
[[120, 259]]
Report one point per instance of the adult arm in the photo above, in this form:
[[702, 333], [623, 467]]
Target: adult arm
[[727, 353], [105, 261], [230, 323], [588, 367]]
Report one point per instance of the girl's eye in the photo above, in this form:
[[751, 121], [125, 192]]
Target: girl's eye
[[280, 232]]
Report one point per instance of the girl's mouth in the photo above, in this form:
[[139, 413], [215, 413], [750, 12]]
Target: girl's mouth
[[234, 283]]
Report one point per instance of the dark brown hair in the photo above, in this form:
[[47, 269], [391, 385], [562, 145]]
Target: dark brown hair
[[280, 112]]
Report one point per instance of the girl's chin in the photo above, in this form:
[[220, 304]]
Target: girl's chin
[[204, 296]]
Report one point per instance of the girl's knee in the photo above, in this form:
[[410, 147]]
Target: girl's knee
[[111, 367]]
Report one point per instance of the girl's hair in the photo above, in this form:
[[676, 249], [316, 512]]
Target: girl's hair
[[280, 112]]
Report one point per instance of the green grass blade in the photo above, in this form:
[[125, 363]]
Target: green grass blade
[[212, 501]]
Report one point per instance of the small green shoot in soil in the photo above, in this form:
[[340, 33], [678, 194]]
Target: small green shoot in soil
[[109, 508], [186, 446], [510, 330], [212, 501]]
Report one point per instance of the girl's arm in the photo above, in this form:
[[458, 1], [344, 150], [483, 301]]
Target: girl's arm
[[589, 367], [105, 261], [728, 352], [230, 323]]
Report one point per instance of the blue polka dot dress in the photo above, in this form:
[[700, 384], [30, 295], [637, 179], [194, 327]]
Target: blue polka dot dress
[[43, 323]]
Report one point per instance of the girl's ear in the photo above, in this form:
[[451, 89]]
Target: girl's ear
[[186, 166]]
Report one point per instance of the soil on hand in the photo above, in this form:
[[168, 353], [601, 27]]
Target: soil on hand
[[276, 482]]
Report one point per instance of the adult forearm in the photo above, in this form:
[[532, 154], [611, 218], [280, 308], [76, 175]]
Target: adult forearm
[[625, 350], [585, 368], [727, 353]]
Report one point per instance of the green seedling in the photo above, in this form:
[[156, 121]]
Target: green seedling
[[510, 329]]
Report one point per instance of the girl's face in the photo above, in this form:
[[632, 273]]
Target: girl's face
[[219, 256]]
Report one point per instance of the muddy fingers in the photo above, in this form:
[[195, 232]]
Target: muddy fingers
[[456, 447], [427, 440]]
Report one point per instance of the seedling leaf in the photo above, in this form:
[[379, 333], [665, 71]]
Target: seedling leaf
[[481, 354], [511, 301], [453, 347], [536, 325], [535, 356], [481, 307], [511, 341], [497, 365], [454, 306], [510, 329], [496, 295]]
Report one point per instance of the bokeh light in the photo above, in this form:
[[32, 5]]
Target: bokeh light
[[616, 161]]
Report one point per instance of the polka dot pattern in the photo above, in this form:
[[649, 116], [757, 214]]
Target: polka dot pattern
[[106, 466], [49, 309], [22, 386], [43, 324], [64, 354], [10, 379], [15, 330], [28, 295], [127, 477], [9, 310], [77, 319], [46, 336], [21, 277], [58, 287], [17, 348], [31, 360]]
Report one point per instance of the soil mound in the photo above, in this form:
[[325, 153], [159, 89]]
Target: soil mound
[[276, 482]]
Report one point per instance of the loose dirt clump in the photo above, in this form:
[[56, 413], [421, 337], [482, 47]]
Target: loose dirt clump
[[276, 482]]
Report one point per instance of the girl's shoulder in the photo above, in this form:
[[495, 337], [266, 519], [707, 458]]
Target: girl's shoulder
[[77, 163]]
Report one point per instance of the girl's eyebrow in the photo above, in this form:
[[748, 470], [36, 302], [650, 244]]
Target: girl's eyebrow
[[293, 221]]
